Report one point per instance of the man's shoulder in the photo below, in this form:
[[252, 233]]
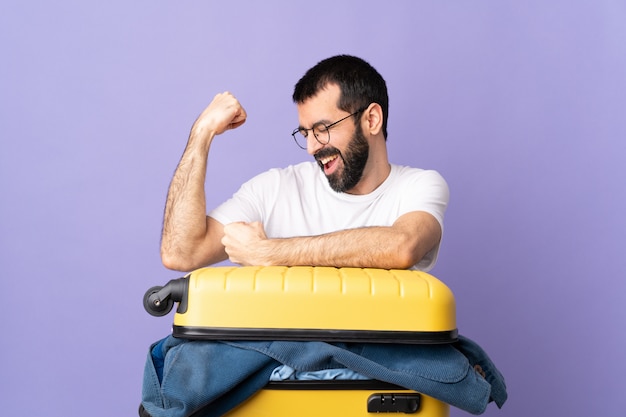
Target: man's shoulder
[[296, 173], [303, 169], [404, 173]]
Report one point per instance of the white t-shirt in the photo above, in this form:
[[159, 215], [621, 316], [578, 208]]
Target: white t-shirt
[[298, 201]]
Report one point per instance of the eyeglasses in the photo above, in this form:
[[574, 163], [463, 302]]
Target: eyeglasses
[[321, 131]]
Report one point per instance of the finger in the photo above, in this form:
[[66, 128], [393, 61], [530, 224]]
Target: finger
[[239, 119], [258, 226]]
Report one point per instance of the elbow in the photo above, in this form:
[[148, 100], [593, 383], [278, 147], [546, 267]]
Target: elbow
[[176, 262], [406, 259], [173, 263], [407, 254], [177, 259]]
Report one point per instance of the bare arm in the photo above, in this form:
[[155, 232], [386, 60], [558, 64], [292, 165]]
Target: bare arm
[[190, 239], [399, 246]]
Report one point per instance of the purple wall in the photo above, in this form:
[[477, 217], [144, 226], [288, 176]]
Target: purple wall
[[520, 105]]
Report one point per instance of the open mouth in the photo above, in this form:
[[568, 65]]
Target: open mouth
[[329, 163]]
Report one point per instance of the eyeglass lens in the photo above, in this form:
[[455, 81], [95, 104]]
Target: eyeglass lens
[[320, 131]]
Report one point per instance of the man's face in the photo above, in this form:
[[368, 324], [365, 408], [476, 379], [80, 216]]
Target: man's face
[[344, 158], [344, 169]]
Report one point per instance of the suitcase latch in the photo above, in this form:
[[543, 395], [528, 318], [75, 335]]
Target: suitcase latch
[[393, 403]]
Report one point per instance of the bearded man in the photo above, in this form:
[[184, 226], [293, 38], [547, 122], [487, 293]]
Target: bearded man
[[350, 207]]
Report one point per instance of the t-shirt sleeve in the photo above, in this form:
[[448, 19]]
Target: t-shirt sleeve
[[428, 192]]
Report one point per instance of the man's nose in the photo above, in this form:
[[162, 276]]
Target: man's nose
[[312, 144]]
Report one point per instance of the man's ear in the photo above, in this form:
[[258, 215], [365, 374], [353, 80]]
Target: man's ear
[[374, 119]]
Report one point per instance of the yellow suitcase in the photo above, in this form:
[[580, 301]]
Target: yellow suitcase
[[315, 303]]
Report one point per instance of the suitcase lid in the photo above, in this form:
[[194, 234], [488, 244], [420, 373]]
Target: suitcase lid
[[316, 303]]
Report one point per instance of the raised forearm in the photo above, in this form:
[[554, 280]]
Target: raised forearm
[[184, 220], [190, 239]]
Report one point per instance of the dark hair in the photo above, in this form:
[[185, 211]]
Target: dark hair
[[359, 82]]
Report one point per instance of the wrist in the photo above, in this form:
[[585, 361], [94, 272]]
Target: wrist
[[266, 250], [201, 136]]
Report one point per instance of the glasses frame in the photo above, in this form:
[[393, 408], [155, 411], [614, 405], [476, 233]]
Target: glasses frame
[[326, 127]]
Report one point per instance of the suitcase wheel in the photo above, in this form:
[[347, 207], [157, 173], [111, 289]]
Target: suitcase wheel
[[154, 305]]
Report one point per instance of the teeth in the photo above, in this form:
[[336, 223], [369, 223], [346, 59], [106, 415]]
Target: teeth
[[326, 160]]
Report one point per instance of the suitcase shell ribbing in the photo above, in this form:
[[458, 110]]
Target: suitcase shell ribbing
[[316, 303]]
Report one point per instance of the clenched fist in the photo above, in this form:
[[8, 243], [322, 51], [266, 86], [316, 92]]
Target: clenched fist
[[225, 112], [244, 243]]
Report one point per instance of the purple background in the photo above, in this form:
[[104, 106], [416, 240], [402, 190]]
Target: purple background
[[520, 105]]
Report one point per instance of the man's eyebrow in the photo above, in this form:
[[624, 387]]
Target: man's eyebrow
[[323, 121]]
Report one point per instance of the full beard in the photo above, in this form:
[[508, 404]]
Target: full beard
[[354, 160]]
